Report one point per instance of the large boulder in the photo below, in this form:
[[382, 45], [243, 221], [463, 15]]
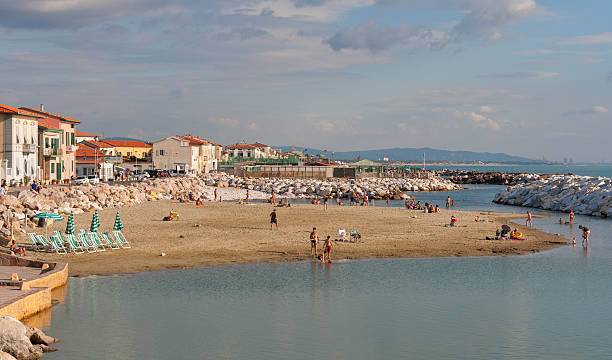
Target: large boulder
[[16, 340]]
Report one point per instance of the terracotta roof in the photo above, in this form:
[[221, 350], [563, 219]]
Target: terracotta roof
[[258, 144], [99, 144], [11, 110], [82, 134], [46, 113], [240, 146], [49, 123], [128, 143]]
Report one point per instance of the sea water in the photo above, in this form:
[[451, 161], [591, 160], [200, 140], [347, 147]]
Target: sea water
[[550, 305]]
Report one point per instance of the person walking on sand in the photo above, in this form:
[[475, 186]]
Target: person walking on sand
[[273, 219], [248, 196], [448, 202], [314, 239], [572, 216], [327, 249], [586, 233], [529, 218]]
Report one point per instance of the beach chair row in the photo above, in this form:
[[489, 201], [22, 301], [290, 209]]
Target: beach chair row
[[82, 242]]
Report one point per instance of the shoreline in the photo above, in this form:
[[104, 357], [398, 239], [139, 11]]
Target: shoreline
[[229, 233]]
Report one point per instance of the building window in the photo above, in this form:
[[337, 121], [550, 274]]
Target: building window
[[52, 168], [72, 137], [162, 152], [46, 143]]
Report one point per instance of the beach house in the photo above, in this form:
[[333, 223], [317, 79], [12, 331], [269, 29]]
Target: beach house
[[179, 154], [50, 151], [210, 153], [19, 137], [64, 160], [255, 150], [132, 149], [92, 161]]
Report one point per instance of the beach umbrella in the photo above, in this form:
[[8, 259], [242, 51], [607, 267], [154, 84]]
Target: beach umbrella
[[47, 215], [95, 222], [70, 224], [118, 223]]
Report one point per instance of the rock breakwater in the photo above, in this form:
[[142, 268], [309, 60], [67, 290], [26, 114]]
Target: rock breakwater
[[492, 178], [583, 194], [21, 342], [65, 199]]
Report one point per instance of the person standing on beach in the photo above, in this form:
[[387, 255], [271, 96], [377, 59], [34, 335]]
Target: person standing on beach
[[325, 201], [327, 249], [448, 202], [273, 219], [314, 239], [247, 196], [272, 198], [572, 216], [387, 200], [529, 218], [216, 194]]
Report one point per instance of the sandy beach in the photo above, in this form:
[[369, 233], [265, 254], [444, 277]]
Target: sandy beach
[[231, 233]]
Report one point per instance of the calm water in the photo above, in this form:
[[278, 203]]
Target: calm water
[[586, 170], [553, 305]]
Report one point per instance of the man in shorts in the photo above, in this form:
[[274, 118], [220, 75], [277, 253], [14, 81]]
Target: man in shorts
[[273, 219], [586, 233], [327, 249]]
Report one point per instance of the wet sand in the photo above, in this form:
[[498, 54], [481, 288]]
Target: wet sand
[[231, 233]]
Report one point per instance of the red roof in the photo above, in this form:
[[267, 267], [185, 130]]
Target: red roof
[[49, 123], [240, 146], [11, 110], [82, 134], [128, 143], [258, 144], [46, 113], [98, 144]]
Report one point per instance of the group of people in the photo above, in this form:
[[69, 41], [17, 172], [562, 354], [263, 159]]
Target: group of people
[[327, 246], [356, 199]]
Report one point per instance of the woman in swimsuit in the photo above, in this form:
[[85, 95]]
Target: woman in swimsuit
[[16, 248], [314, 238]]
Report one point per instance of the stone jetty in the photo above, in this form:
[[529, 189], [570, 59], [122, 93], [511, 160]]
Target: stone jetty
[[65, 199], [582, 194], [492, 178]]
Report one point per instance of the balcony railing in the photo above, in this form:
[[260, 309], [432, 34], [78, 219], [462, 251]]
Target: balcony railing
[[28, 148], [51, 151]]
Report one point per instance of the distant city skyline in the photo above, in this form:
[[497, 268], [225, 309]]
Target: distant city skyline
[[523, 77]]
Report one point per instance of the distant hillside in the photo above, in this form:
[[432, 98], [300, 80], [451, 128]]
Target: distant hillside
[[412, 154]]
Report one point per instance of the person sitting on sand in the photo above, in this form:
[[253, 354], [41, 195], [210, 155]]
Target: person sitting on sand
[[314, 239], [426, 208], [327, 249], [515, 234], [453, 221], [437, 209], [273, 219], [17, 249], [418, 205], [431, 209]]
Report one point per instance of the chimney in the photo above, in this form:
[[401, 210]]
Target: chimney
[[42, 107]]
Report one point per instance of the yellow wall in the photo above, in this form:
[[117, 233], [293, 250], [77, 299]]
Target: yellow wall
[[139, 152]]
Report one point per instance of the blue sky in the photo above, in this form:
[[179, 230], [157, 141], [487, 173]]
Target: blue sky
[[525, 77]]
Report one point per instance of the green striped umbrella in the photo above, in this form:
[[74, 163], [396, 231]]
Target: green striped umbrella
[[70, 224], [47, 215], [95, 222], [118, 223]]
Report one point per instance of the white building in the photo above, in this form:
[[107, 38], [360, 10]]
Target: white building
[[19, 137], [177, 154]]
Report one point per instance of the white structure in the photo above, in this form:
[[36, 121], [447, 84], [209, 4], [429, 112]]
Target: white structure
[[81, 136], [255, 151], [177, 154], [20, 144], [210, 153], [104, 169]]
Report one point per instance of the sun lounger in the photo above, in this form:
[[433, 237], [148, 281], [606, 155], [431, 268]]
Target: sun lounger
[[74, 245], [44, 242], [36, 244], [107, 238], [91, 248], [121, 239], [61, 238], [342, 235], [59, 248], [94, 239], [355, 235]]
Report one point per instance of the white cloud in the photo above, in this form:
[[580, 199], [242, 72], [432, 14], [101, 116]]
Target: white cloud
[[588, 111], [485, 109], [528, 75], [224, 122], [484, 122], [594, 39], [252, 126], [323, 11]]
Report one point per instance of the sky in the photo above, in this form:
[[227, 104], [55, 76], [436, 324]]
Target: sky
[[526, 77]]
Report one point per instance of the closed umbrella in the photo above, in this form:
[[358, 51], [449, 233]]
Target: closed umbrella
[[70, 224], [118, 223], [95, 222]]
